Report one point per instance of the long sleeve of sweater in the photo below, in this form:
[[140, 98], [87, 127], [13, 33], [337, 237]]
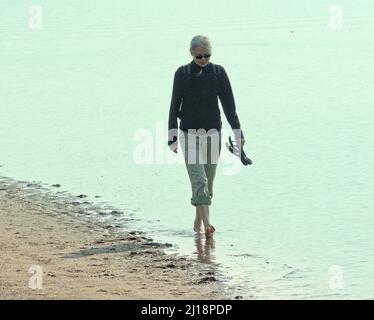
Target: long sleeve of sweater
[[228, 102], [176, 100]]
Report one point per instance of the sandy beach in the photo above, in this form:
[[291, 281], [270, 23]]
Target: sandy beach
[[82, 258]]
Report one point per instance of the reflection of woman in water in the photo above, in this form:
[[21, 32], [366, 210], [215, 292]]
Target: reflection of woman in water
[[196, 88], [204, 251]]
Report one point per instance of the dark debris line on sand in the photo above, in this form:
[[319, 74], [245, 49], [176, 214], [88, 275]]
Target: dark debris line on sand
[[76, 208]]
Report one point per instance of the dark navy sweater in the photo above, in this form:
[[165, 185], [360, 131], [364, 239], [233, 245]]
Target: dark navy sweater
[[195, 99]]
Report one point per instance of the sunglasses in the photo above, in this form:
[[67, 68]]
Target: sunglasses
[[206, 56]]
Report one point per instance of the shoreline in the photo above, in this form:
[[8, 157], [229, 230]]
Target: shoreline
[[83, 258]]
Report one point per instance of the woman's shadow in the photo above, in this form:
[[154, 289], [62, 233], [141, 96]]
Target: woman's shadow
[[205, 248]]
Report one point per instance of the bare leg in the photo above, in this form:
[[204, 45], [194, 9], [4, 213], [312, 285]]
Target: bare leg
[[209, 229], [198, 221]]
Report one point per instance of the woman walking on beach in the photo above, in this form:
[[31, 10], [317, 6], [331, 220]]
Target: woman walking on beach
[[196, 89]]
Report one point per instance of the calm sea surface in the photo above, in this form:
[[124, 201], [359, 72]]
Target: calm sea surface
[[76, 95]]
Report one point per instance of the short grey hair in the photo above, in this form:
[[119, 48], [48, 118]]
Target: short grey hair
[[200, 41]]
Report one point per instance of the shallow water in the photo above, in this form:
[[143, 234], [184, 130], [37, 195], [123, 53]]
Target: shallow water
[[74, 94]]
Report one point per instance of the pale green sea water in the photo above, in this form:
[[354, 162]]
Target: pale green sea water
[[73, 94]]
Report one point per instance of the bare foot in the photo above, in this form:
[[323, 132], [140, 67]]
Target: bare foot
[[209, 231]]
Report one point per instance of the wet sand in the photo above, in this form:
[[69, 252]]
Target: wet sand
[[82, 258]]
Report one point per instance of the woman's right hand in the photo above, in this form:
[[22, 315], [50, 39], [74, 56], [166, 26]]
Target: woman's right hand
[[174, 147]]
